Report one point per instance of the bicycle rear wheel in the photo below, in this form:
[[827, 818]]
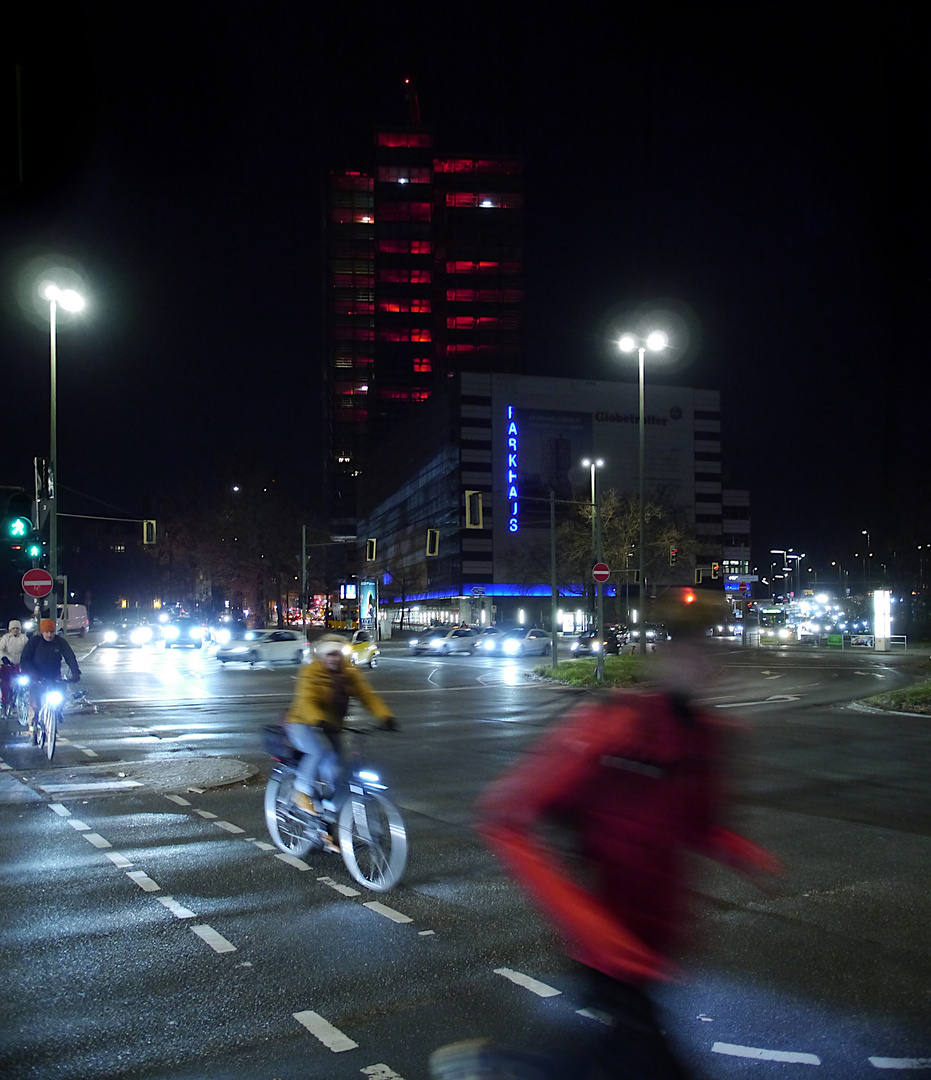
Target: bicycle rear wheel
[[287, 830], [372, 840]]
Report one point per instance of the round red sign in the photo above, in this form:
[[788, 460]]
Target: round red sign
[[600, 571], [37, 583]]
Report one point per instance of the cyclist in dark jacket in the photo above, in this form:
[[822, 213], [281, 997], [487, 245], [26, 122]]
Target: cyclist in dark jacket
[[42, 658]]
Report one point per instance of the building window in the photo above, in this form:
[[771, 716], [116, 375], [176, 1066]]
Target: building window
[[404, 138]]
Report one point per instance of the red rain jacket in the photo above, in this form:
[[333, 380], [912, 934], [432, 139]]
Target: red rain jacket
[[637, 776]]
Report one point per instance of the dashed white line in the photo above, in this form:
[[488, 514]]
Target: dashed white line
[[262, 845], [381, 1072], [59, 809], [292, 860], [96, 839], [117, 859], [597, 1014], [900, 1063], [759, 1054], [389, 913], [216, 941], [331, 1037], [103, 785], [344, 890], [229, 826], [528, 983], [143, 880], [78, 826], [206, 814], [178, 910], [178, 799]]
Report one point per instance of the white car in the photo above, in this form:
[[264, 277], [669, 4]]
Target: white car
[[265, 647], [444, 641]]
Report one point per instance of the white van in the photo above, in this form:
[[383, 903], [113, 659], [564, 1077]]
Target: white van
[[72, 619]]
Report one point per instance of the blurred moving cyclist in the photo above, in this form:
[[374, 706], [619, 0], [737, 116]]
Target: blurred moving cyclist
[[315, 720], [637, 778], [42, 659]]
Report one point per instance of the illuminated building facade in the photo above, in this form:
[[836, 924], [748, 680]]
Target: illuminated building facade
[[424, 279]]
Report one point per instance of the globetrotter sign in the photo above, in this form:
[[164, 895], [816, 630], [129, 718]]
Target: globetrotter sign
[[512, 443]]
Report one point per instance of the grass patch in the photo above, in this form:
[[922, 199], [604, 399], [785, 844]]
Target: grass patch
[[619, 671], [911, 699]]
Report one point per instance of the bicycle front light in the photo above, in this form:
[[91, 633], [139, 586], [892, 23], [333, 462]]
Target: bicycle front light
[[23, 680], [369, 777], [54, 698]]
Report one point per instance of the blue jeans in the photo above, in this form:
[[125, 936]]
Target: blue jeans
[[320, 756]]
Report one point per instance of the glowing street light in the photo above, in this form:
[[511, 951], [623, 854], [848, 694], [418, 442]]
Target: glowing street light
[[655, 342], [70, 301]]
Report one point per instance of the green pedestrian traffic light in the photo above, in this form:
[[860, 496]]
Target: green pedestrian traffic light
[[18, 528], [34, 547]]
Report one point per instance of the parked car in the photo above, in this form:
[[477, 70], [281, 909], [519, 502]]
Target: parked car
[[185, 630], [265, 647], [443, 641], [361, 648], [75, 621], [654, 632], [129, 633], [526, 641]]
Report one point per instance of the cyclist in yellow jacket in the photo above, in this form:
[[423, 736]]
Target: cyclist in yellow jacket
[[317, 714]]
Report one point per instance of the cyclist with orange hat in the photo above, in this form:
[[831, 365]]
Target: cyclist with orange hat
[[42, 659]]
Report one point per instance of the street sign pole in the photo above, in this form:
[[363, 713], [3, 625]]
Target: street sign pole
[[601, 573]]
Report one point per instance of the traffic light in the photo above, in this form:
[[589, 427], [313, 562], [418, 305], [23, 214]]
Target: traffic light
[[370, 550], [35, 547], [673, 554], [433, 542], [473, 508], [715, 571], [148, 532]]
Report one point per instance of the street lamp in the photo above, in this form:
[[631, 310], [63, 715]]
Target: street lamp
[[867, 553], [593, 464], [70, 301], [655, 342]]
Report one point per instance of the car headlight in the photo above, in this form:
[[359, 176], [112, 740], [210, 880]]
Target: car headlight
[[414, 641], [140, 635], [575, 646], [489, 645], [511, 647], [223, 636], [436, 642], [596, 646], [783, 633], [109, 637], [170, 632]]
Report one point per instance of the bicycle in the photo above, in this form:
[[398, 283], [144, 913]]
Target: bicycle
[[354, 811], [44, 730]]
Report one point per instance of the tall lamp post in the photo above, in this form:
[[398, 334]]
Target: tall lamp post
[[593, 464], [867, 553], [655, 342], [70, 301]]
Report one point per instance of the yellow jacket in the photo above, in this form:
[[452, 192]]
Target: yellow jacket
[[314, 701]]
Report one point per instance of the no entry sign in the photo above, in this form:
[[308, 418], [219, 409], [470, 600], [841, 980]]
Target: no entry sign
[[37, 583], [600, 571]]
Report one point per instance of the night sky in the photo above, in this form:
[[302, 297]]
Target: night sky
[[762, 174]]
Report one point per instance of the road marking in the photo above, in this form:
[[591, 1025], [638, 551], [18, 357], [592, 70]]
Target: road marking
[[389, 913], [89, 753], [293, 860], [178, 799], [79, 825], [381, 1072], [206, 814], [178, 910], [426, 933], [96, 839], [118, 860], [216, 941], [57, 808], [4, 766], [765, 1055], [331, 1037], [229, 826], [143, 880], [262, 845], [775, 699], [529, 984], [103, 785], [197, 790], [900, 1063], [344, 890], [597, 1014]]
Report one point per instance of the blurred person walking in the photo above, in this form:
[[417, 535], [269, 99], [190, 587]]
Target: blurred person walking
[[637, 779]]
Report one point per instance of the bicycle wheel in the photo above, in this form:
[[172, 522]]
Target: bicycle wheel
[[372, 840], [38, 729], [285, 827], [22, 707], [51, 731]]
